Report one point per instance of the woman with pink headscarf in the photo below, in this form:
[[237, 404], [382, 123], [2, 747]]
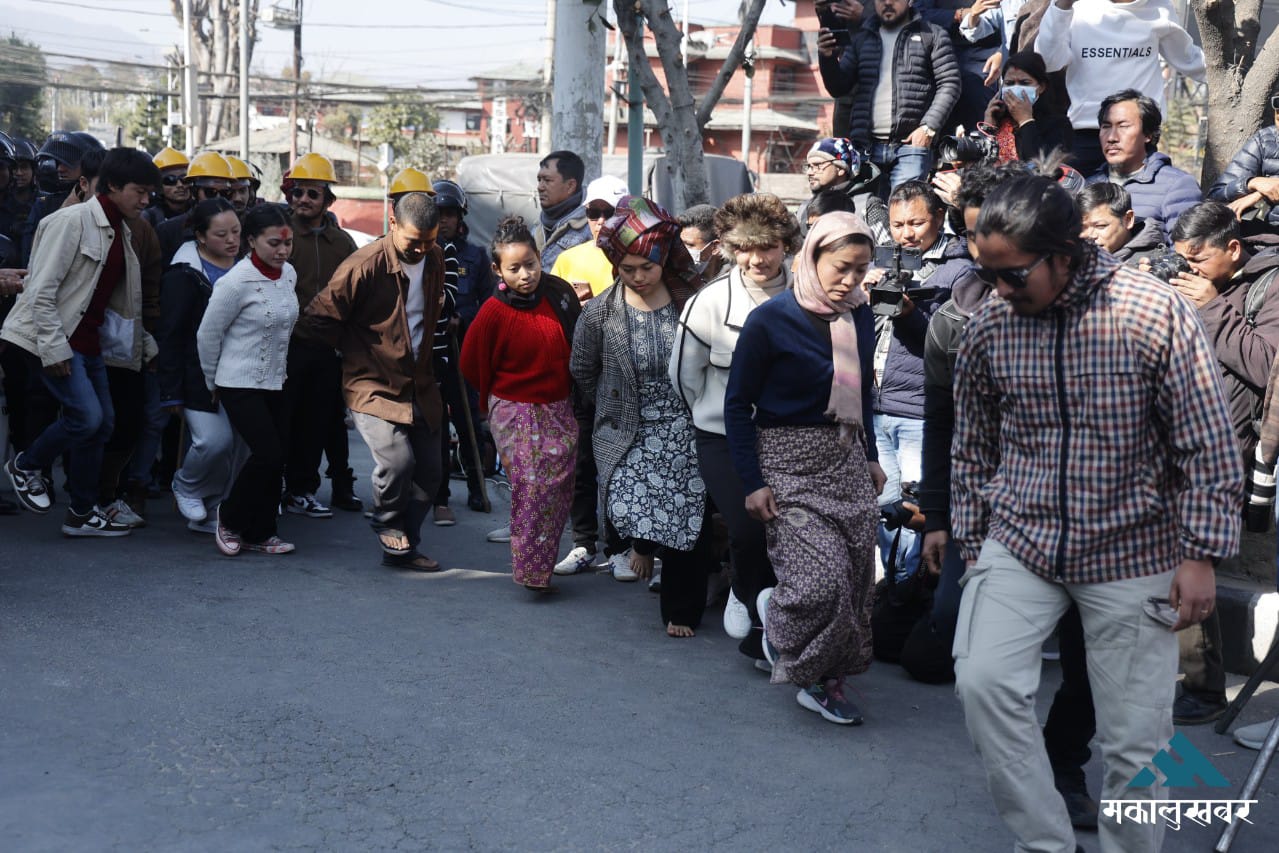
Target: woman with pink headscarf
[[795, 418]]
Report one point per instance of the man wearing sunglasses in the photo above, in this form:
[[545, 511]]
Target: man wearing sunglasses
[[1250, 184], [1093, 463], [585, 266], [174, 196], [208, 175], [314, 385]]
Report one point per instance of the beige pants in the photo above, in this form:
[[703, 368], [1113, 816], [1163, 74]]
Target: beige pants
[[1005, 615]]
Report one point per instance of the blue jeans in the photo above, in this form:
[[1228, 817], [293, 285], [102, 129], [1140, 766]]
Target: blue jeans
[[901, 446], [82, 429], [900, 162]]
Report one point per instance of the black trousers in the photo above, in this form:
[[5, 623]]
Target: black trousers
[[313, 394], [31, 407], [457, 405], [684, 576], [747, 548], [584, 511], [1072, 720], [261, 418]]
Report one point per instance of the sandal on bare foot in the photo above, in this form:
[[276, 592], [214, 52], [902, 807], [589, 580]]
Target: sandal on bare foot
[[541, 590], [678, 631], [394, 541], [412, 561]]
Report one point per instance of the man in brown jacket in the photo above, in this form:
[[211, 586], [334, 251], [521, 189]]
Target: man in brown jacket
[[379, 309], [313, 387]]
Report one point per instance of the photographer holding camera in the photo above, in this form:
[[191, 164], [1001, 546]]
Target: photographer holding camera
[[1238, 301], [903, 301], [904, 79]]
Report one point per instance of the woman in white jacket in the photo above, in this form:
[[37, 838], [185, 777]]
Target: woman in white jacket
[[757, 233], [244, 342]]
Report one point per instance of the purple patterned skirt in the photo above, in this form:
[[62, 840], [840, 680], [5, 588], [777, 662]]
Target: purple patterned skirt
[[822, 547], [538, 444]]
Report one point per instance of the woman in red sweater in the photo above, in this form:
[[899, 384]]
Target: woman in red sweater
[[516, 355]]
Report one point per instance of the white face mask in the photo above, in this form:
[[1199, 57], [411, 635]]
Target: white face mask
[[1028, 93], [695, 254]]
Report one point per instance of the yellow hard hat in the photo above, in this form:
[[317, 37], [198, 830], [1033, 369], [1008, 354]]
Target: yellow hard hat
[[209, 164], [239, 168], [167, 158], [410, 180], [313, 167]]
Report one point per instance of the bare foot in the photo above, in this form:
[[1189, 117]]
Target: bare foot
[[540, 591], [394, 541], [681, 631], [641, 565]]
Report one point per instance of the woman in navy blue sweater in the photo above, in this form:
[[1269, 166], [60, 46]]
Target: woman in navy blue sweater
[[798, 395]]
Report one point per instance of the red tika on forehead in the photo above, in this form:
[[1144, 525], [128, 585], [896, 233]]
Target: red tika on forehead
[[286, 233]]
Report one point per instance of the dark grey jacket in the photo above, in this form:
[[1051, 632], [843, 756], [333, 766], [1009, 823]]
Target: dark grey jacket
[[1259, 158], [926, 81]]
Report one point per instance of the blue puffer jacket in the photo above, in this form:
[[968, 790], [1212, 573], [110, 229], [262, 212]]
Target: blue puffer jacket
[[1259, 158], [901, 387], [1160, 192]]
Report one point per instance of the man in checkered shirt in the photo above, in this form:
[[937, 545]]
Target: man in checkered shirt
[[1094, 461]]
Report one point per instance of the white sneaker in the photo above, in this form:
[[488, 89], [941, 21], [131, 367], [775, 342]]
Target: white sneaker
[[306, 505], [209, 526], [737, 619], [620, 566], [1252, 737], [502, 534], [192, 509], [120, 513], [655, 582], [579, 559], [761, 607]]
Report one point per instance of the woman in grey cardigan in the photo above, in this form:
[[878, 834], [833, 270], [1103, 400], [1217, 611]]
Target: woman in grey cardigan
[[244, 342], [643, 436]]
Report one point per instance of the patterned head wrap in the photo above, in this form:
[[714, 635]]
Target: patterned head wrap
[[641, 227]]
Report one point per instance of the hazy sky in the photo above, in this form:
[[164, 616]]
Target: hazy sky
[[427, 42]]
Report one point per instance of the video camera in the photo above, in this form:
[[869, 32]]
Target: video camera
[[899, 264]]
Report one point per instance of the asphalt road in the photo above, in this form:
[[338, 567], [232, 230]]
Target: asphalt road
[[155, 695]]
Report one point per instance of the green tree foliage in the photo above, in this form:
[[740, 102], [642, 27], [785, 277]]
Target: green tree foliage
[[21, 89], [401, 122], [143, 122]]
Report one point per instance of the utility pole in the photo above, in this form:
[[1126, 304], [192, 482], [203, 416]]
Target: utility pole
[[747, 90], [244, 80], [577, 100], [635, 134], [548, 74], [190, 89], [297, 85], [619, 62]]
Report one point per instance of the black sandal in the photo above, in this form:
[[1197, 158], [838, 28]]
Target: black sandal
[[412, 561]]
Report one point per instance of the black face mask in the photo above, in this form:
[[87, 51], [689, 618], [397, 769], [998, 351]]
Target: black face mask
[[47, 176]]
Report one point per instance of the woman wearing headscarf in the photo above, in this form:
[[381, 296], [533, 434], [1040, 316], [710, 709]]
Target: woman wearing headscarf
[[795, 410], [652, 490]]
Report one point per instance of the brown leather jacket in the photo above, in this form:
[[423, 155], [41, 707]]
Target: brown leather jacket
[[362, 312]]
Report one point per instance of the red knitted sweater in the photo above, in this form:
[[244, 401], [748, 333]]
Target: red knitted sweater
[[516, 355]]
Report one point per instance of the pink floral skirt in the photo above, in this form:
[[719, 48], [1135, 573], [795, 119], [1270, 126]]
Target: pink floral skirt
[[538, 444]]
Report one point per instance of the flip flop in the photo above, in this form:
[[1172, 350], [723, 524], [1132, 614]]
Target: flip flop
[[413, 562], [389, 537]]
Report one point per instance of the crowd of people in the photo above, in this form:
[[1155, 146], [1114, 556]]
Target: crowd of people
[[1024, 373]]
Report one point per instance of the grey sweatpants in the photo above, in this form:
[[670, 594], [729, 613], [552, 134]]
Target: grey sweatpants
[[406, 472]]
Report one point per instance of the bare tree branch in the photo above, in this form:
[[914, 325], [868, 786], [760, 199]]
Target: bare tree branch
[[750, 21]]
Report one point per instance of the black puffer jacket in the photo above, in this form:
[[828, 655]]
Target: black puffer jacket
[[926, 81], [184, 294], [1259, 158]]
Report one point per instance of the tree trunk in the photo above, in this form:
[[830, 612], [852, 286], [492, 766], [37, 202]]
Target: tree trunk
[[217, 57], [1240, 77]]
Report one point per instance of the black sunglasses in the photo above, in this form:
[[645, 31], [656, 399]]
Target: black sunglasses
[[309, 192], [1014, 278], [599, 212], [210, 192], [171, 180]]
